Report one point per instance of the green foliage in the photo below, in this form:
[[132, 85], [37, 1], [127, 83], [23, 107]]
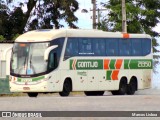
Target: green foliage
[[3, 18], [1, 38], [46, 14], [52, 11], [142, 16], [16, 36], [12, 22]]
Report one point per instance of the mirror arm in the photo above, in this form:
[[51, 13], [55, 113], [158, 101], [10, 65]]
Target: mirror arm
[[48, 50]]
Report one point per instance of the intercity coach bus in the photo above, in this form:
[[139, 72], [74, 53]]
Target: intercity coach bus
[[93, 61]]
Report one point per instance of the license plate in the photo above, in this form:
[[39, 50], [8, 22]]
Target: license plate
[[26, 88], [26, 80]]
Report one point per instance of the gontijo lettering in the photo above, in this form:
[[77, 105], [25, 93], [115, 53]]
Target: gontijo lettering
[[87, 64]]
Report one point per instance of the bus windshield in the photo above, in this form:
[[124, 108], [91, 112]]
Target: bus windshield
[[28, 58]]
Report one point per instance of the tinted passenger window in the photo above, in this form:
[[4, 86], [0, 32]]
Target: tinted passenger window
[[98, 47], [71, 48], [146, 46], [125, 47], [85, 46], [58, 42], [136, 47], [107, 47], [112, 46]]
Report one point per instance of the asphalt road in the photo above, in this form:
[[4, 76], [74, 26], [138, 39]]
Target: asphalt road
[[144, 100]]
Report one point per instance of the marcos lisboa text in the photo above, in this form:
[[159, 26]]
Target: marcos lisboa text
[[147, 114]]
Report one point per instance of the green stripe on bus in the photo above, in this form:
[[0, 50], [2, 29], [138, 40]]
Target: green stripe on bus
[[126, 62], [138, 64], [19, 80], [97, 64], [38, 78], [112, 64], [33, 79], [108, 74], [71, 62]]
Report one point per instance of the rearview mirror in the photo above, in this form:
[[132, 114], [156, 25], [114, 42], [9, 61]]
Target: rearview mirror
[[48, 50]]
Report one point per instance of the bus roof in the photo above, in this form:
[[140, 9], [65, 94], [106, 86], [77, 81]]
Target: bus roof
[[50, 34]]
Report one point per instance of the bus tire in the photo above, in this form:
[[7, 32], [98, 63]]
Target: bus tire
[[90, 93], [100, 93], [67, 88], [114, 92], [122, 88], [132, 87], [32, 94], [93, 93]]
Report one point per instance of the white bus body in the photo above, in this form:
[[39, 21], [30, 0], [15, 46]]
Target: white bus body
[[92, 61]]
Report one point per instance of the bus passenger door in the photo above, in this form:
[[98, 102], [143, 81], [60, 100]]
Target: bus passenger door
[[54, 81]]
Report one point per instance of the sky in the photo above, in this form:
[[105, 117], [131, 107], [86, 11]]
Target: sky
[[85, 20]]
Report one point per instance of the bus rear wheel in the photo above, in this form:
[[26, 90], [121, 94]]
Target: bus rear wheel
[[132, 87], [32, 94], [122, 88], [67, 88]]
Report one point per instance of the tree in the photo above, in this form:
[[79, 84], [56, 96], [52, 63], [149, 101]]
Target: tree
[[11, 22], [47, 13], [142, 17], [40, 14], [57, 10], [3, 19], [1, 38], [15, 23]]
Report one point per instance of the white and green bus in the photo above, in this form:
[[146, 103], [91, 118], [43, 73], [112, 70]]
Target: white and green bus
[[92, 61]]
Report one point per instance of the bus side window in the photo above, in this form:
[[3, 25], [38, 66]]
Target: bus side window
[[112, 47], [71, 48], [136, 47], [52, 61], [124, 47], [146, 46], [85, 46], [98, 47]]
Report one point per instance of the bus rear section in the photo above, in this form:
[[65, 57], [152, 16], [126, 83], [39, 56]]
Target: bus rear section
[[116, 64]]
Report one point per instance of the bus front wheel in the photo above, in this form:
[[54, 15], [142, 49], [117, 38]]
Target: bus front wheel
[[32, 94], [67, 88]]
